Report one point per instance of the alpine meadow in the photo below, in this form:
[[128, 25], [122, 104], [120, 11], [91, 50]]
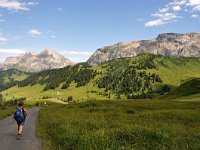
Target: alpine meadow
[[86, 90]]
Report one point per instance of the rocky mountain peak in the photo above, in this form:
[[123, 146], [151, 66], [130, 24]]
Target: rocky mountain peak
[[30, 54], [51, 53], [166, 44], [175, 37], [32, 62]]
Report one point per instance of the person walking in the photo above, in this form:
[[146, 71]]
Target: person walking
[[20, 117]]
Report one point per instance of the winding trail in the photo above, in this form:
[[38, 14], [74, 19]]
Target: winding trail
[[8, 133]]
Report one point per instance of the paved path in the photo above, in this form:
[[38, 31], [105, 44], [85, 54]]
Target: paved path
[[8, 133]]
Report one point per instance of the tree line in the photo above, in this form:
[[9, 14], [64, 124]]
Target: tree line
[[80, 74]]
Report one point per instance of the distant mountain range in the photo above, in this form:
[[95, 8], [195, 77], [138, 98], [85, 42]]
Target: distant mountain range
[[168, 44], [32, 62]]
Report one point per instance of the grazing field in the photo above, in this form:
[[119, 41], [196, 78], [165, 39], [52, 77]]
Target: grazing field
[[120, 125]]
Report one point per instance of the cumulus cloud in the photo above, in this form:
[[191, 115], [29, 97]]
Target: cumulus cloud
[[171, 12], [166, 16], [34, 32], [155, 23], [176, 8], [16, 5], [164, 10], [163, 18], [12, 51]]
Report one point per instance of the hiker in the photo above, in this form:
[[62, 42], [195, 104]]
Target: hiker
[[20, 116]]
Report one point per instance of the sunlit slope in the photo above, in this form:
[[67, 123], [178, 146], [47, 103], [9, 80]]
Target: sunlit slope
[[11, 77], [143, 76]]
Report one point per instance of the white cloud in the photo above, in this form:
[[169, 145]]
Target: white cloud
[[164, 10], [170, 12], [197, 8], [166, 16], [176, 8], [12, 51], [32, 3], [195, 16], [16, 5], [153, 23], [34, 32], [177, 3], [193, 2], [75, 53], [162, 18], [3, 38]]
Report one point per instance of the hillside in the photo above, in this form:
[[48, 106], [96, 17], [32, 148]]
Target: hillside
[[143, 76], [167, 44], [11, 77], [191, 87]]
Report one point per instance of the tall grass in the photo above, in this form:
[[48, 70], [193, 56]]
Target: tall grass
[[120, 125]]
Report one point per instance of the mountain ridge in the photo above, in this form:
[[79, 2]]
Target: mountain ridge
[[166, 44], [33, 62]]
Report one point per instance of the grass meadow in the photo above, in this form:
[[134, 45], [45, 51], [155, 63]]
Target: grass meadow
[[120, 125]]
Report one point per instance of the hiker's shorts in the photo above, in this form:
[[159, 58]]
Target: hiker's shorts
[[20, 123]]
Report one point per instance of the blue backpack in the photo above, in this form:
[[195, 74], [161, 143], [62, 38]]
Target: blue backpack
[[19, 116]]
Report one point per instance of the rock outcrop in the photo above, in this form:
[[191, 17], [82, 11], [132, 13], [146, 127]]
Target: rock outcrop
[[168, 44]]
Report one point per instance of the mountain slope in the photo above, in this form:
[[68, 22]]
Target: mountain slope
[[31, 62], [11, 77], [191, 87], [143, 76], [169, 44]]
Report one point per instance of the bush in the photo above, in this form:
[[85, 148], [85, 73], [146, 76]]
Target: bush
[[69, 99]]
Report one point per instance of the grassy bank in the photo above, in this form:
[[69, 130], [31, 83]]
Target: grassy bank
[[7, 111], [121, 125]]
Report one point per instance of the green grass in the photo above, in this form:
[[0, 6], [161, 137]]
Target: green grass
[[116, 125], [5, 112]]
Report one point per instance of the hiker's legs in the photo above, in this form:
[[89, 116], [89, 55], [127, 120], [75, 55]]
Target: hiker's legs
[[20, 128]]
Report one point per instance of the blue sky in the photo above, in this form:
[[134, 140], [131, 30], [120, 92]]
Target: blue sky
[[76, 28]]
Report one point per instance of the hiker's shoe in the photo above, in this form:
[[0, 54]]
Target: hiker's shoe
[[19, 137]]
